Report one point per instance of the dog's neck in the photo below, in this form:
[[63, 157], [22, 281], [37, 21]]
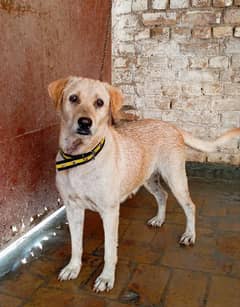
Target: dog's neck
[[75, 144]]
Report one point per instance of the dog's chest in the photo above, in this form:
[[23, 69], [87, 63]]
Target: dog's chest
[[84, 188]]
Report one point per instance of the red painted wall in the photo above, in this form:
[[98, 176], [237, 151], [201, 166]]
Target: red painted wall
[[40, 41]]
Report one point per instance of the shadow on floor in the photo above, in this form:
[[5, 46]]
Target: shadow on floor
[[153, 270]]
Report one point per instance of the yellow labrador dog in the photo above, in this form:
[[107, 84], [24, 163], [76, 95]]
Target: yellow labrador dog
[[99, 165]]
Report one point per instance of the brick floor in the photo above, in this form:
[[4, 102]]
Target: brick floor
[[153, 270]]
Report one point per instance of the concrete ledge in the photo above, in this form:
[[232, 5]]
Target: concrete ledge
[[215, 171]]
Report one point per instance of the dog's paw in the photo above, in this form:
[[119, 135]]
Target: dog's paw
[[103, 283], [70, 271], [156, 221], [187, 239]]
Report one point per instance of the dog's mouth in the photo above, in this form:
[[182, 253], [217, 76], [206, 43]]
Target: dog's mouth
[[84, 131]]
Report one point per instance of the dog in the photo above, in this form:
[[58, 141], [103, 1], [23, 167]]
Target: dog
[[99, 165]]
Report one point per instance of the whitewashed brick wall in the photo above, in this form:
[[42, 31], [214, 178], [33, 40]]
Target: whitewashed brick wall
[[179, 61]]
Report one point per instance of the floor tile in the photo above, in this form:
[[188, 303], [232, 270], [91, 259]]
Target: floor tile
[[9, 301], [148, 282], [57, 298], [224, 291], [21, 284], [186, 289]]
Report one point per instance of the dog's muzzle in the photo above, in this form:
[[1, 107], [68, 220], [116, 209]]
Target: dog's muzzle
[[84, 126]]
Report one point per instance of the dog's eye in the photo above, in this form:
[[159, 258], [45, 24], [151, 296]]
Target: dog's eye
[[99, 103], [74, 99]]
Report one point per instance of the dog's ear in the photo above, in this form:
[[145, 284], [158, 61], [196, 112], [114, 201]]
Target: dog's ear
[[55, 91], [116, 102]]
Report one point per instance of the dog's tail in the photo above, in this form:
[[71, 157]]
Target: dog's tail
[[209, 146]]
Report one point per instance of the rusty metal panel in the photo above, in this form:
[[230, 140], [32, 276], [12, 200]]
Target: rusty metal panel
[[40, 41]]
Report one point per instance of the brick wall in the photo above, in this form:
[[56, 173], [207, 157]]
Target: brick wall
[[179, 61]]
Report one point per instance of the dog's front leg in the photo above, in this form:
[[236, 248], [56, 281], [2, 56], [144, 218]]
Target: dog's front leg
[[105, 280], [75, 217]]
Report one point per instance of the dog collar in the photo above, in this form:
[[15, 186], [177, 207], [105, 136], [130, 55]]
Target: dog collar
[[70, 161]]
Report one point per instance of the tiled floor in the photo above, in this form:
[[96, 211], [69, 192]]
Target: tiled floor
[[153, 270]]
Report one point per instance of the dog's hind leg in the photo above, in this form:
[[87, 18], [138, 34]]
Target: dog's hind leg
[[175, 175], [154, 187]]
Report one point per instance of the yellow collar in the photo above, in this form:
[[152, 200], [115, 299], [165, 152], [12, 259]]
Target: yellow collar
[[70, 161]]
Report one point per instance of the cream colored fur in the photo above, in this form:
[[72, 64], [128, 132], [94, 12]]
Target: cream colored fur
[[135, 154]]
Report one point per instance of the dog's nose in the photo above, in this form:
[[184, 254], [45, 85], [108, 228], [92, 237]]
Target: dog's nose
[[85, 122]]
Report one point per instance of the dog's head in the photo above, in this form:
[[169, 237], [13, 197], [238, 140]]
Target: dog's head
[[86, 106]]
